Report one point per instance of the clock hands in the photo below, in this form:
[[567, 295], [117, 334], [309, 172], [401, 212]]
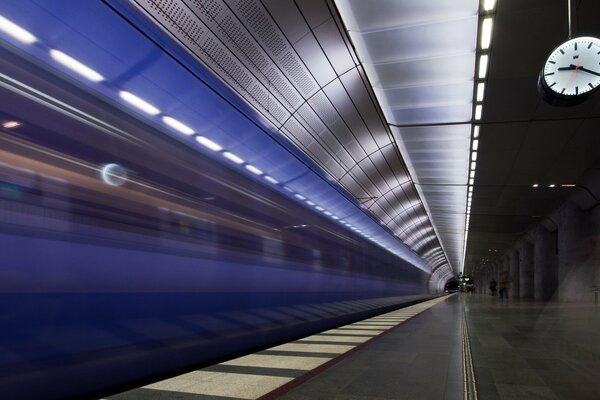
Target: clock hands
[[578, 67]]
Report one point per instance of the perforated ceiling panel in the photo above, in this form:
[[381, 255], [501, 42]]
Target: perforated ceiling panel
[[293, 62]]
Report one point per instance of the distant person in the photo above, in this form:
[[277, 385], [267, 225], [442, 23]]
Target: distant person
[[493, 285], [504, 282]]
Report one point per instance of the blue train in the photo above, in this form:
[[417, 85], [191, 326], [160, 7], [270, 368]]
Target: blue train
[[113, 278]]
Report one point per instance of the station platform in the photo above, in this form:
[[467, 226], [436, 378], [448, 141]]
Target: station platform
[[408, 353], [518, 350]]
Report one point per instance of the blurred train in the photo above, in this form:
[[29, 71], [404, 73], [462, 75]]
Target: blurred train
[[105, 287]]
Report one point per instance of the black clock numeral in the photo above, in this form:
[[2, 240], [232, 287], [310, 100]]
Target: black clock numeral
[[562, 91], [590, 45], [575, 57], [552, 62], [590, 85], [561, 51], [553, 84], [576, 90], [549, 73], [575, 46]]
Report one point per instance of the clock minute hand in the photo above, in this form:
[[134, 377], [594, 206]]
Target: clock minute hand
[[589, 71]]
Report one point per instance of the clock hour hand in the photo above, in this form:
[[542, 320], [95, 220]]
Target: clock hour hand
[[570, 67]]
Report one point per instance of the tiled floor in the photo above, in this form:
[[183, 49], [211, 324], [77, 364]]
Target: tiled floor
[[256, 375], [420, 359], [522, 350], [529, 350]]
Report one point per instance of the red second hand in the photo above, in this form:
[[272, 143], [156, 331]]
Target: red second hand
[[571, 77]]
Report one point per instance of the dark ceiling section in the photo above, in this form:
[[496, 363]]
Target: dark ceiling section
[[524, 141]]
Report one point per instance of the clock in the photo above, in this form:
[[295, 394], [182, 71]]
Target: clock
[[571, 72]]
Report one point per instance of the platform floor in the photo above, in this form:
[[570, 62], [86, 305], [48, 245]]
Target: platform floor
[[534, 350], [389, 352], [521, 350]]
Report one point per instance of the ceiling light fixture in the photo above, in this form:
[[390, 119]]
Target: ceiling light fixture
[[271, 179], [76, 66], [475, 144], [480, 91], [11, 124], [535, 185], [486, 33], [475, 131], [551, 185], [488, 5], [206, 142], [139, 103], [233, 157], [16, 31], [178, 125], [568, 185], [478, 111], [253, 169], [483, 66]]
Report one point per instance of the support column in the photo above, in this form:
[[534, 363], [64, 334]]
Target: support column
[[545, 264], [514, 290], [570, 236], [526, 270]]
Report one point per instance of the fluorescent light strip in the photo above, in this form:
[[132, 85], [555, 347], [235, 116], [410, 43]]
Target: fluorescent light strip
[[206, 142], [483, 66], [478, 111], [480, 91], [475, 131], [76, 66], [475, 144], [310, 203], [253, 169], [488, 5], [299, 196], [139, 103], [16, 31], [233, 157], [11, 124], [486, 33], [271, 179], [178, 125]]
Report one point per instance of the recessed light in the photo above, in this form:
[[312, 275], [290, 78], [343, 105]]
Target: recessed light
[[139, 103], [178, 125], [488, 5], [206, 142], [253, 169], [535, 185], [271, 179], [568, 185], [16, 31], [478, 111], [551, 185], [76, 66], [486, 33], [11, 124], [233, 157], [483, 65]]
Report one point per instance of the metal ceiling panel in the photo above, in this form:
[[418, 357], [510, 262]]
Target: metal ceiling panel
[[294, 64]]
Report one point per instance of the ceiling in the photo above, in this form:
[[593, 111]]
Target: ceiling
[[523, 140], [294, 63], [381, 98]]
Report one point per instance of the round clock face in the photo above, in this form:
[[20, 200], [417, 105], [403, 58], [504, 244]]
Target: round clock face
[[572, 70]]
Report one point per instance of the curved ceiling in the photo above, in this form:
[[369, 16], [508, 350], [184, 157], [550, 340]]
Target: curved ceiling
[[295, 64]]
